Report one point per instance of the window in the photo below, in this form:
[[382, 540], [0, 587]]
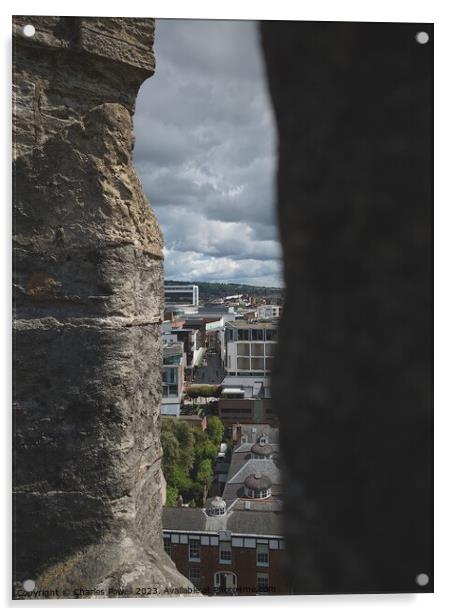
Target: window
[[270, 349], [269, 363], [194, 576], [271, 335], [243, 334], [225, 581], [262, 583], [194, 549], [257, 363], [257, 349], [257, 334], [243, 363], [167, 545], [243, 348], [225, 552], [258, 493], [262, 555]]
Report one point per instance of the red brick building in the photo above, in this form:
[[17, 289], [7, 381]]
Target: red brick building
[[235, 545], [244, 559]]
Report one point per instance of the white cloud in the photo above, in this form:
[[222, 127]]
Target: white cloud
[[205, 151]]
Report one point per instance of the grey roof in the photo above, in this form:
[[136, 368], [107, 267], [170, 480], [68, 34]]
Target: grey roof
[[243, 522], [256, 522], [251, 467], [246, 448], [252, 386], [183, 518], [262, 450], [257, 481]]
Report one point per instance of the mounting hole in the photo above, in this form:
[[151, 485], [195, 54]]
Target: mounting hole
[[29, 585], [29, 30], [422, 38], [422, 579]]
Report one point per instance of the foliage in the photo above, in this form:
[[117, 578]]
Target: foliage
[[204, 473], [215, 430], [188, 458], [203, 391], [171, 496]]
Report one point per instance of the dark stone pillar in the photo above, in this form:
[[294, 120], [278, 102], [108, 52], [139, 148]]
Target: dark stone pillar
[[353, 376], [88, 299]]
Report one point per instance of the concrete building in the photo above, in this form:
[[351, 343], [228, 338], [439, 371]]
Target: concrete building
[[248, 348], [272, 311], [172, 378], [246, 399]]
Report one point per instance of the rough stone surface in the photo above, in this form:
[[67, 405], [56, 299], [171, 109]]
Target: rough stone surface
[[353, 377], [88, 295]]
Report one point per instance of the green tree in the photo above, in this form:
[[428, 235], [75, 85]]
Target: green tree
[[186, 439], [215, 430], [204, 448], [171, 496], [171, 451], [204, 473], [178, 478]]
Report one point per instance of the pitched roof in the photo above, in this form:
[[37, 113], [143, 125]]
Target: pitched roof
[[243, 522]]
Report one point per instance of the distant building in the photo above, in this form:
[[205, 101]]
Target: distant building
[[172, 378], [235, 544], [272, 311], [179, 295], [191, 339], [248, 348], [246, 399]]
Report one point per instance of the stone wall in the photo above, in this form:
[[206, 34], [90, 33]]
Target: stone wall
[[353, 377], [88, 300]]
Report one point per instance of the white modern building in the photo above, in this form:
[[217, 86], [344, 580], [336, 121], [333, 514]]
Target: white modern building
[[249, 348], [172, 378], [181, 295], [267, 311]]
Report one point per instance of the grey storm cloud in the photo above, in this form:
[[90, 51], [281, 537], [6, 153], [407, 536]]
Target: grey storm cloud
[[205, 152]]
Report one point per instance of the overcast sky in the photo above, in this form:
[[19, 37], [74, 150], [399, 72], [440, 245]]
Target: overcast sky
[[205, 152]]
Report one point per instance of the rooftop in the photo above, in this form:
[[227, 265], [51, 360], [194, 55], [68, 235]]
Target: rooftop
[[251, 522], [256, 325]]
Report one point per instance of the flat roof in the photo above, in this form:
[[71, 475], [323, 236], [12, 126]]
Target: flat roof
[[249, 325]]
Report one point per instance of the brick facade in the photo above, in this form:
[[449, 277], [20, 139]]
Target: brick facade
[[243, 562]]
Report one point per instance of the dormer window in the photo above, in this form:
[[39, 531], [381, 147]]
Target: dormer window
[[216, 507], [257, 486]]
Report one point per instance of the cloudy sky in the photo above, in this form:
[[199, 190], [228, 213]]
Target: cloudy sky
[[205, 152]]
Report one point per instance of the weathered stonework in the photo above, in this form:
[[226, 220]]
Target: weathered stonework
[[88, 295], [353, 379]]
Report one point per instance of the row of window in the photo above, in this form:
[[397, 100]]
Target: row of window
[[255, 349], [214, 539], [254, 363], [226, 581], [252, 334], [224, 551]]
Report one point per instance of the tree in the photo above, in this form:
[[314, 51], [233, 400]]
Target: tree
[[185, 436], [215, 430], [171, 496], [204, 448], [204, 473], [171, 451]]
